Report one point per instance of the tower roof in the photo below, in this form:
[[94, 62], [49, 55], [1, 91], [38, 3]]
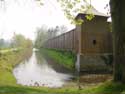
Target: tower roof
[[93, 11]]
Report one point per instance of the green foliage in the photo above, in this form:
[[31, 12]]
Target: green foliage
[[79, 21], [44, 33], [40, 2], [41, 36], [4, 44], [89, 17], [20, 41], [72, 7]]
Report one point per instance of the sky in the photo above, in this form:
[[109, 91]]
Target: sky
[[25, 16]]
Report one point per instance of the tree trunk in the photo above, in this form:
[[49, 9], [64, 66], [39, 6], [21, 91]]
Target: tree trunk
[[118, 27]]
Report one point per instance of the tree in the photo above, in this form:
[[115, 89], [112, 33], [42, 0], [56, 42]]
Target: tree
[[72, 7], [53, 32], [45, 33], [2, 42], [62, 29], [118, 28], [41, 36], [20, 41]]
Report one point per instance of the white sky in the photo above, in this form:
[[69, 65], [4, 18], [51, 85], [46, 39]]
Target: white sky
[[24, 16]]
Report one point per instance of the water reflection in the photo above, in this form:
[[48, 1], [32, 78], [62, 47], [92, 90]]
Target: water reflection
[[38, 72]]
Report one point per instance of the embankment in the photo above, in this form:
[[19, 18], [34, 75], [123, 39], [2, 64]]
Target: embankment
[[7, 62], [67, 59]]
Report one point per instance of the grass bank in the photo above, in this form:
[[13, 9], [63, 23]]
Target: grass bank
[[67, 59], [8, 60], [105, 88], [108, 87]]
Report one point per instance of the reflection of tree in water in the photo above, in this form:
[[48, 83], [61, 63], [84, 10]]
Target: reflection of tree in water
[[40, 59], [28, 55]]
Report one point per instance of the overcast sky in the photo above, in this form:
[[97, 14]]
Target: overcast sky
[[24, 16]]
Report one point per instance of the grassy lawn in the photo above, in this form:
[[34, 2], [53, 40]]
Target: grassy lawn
[[8, 82], [106, 88]]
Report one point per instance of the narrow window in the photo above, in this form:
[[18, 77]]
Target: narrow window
[[94, 42]]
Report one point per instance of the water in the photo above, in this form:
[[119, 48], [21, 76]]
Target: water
[[38, 72]]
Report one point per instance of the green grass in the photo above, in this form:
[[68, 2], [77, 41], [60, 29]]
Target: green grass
[[67, 59], [7, 62], [6, 78], [35, 90], [105, 88], [108, 87]]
